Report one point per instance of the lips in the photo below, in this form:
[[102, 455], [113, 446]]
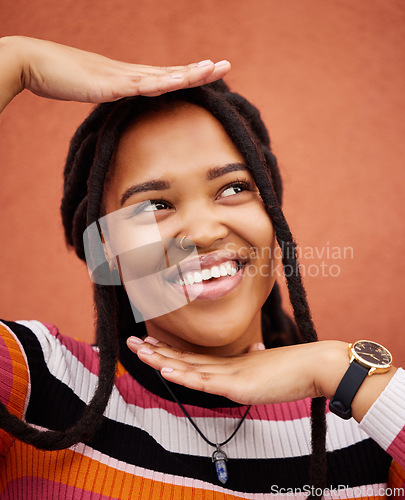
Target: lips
[[206, 267], [208, 277], [229, 268]]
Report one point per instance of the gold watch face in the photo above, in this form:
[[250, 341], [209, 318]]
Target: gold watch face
[[371, 353]]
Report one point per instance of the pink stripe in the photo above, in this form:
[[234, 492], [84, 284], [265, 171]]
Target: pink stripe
[[6, 373], [134, 393], [82, 351], [44, 489], [397, 448]]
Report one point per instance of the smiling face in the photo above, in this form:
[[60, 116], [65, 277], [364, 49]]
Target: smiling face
[[177, 173]]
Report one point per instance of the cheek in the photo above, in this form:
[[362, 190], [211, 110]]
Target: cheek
[[256, 229], [264, 266]]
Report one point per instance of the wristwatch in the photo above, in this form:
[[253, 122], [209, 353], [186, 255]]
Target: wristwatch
[[366, 358]]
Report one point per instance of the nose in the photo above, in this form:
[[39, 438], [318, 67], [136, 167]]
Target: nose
[[204, 226]]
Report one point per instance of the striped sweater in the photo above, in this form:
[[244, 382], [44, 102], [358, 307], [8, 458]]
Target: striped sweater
[[147, 449]]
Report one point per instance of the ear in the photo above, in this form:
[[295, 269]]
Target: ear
[[109, 255], [99, 258]]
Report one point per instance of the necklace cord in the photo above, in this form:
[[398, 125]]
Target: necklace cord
[[215, 445]]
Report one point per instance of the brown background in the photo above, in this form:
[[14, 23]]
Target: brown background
[[328, 76]]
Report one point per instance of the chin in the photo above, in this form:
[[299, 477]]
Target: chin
[[210, 330]]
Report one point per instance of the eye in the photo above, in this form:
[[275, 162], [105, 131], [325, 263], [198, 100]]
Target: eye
[[148, 207], [236, 188], [154, 205]]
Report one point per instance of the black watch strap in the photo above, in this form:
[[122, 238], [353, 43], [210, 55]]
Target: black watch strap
[[347, 389]]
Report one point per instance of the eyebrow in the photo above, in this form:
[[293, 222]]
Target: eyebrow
[[160, 185], [153, 185], [215, 172]]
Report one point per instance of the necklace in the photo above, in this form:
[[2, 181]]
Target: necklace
[[219, 457]]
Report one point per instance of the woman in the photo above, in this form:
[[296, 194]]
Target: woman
[[178, 198]]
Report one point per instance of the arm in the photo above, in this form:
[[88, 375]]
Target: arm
[[288, 374], [59, 72], [260, 377]]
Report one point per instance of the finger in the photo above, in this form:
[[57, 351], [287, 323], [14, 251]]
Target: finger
[[258, 346], [204, 381], [156, 81], [150, 356], [170, 352], [221, 69], [169, 79]]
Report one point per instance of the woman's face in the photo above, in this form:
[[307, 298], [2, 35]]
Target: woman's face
[[177, 173]]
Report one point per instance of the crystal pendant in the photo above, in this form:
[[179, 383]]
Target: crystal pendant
[[219, 458]]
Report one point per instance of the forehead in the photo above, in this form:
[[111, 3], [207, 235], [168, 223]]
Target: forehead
[[184, 134]]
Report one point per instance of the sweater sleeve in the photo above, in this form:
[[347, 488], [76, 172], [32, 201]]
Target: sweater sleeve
[[385, 423], [14, 381]]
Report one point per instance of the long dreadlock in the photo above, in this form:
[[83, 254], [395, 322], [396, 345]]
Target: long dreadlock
[[88, 161]]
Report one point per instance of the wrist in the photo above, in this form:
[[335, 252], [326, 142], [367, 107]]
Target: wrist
[[11, 69], [330, 367]]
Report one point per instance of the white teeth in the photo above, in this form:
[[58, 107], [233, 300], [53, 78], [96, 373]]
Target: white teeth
[[188, 279], [222, 270], [229, 268], [215, 272], [206, 274]]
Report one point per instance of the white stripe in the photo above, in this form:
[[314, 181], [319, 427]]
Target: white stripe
[[256, 438], [385, 419]]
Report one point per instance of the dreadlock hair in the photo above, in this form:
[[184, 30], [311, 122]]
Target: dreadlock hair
[[88, 162]]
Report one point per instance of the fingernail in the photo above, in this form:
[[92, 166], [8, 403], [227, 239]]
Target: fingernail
[[152, 340], [135, 340], [261, 347], [177, 76], [165, 369], [221, 63], [206, 62], [145, 350]]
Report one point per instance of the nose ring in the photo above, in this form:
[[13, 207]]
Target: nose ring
[[181, 243]]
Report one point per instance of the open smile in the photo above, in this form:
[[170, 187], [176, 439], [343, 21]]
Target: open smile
[[212, 282]]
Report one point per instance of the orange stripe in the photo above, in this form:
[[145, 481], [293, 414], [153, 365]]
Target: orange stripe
[[74, 469], [366, 497], [120, 370], [78, 471], [20, 373], [19, 388], [396, 476]]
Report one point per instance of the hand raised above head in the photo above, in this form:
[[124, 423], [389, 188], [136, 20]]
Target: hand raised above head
[[57, 71]]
